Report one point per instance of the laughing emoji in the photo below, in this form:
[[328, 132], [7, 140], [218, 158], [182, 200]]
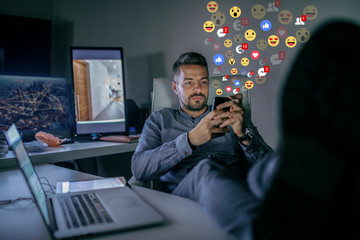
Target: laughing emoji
[[290, 41], [311, 12], [218, 91], [209, 26]]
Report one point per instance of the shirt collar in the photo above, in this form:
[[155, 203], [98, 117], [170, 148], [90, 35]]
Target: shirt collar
[[189, 116]]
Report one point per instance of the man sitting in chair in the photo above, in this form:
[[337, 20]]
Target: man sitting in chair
[[173, 141]]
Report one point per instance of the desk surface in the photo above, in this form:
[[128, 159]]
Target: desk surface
[[186, 219], [71, 151]]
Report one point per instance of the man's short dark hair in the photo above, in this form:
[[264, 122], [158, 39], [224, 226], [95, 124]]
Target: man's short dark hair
[[190, 58]]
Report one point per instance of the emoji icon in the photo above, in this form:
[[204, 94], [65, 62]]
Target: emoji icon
[[265, 25], [311, 12], [281, 55], [238, 38], [249, 84], [285, 17], [224, 79], [234, 71], [218, 91], [218, 18], [215, 83], [209, 26], [281, 32], [302, 35], [273, 40], [220, 33], [243, 72], [207, 42], [260, 79], [255, 54], [261, 62], [266, 69], [290, 41], [245, 21], [248, 74], [228, 89], [229, 54], [225, 29], [231, 61], [245, 61], [239, 49], [250, 35], [258, 11], [235, 12], [261, 72], [212, 6], [216, 46], [237, 83], [261, 44], [237, 25], [299, 21], [236, 90], [218, 59], [227, 43], [233, 79], [274, 59]]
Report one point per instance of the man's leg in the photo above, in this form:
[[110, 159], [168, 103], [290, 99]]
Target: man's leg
[[224, 196]]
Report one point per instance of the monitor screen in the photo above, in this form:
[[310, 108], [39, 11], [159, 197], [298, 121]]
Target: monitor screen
[[37, 104], [99, 90]]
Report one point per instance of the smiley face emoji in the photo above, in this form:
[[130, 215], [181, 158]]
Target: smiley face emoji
[[231, 61], [261, 44], [212, 7], [238, 38], [244, 61], [258, 11], [273, 40], [209, 26], [235, 12], [302, 35], [233, 71], [218, 18], [218, 91], [215, 83], [250, 35], [227, 43], [311, 12], [229, 54], [249, 84], [290, 41], [285, 17], [260, 79]]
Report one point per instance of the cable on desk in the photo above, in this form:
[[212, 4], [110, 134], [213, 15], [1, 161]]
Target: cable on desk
[[47, 184], [4, 203]]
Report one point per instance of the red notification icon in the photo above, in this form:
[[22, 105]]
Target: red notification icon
[[266, 69], [244, 46], [211, 39], [252, 73], [225, 29], [303, 18], [226, 76], [265, 60], [244, 21], [281, 55], [277, 3]]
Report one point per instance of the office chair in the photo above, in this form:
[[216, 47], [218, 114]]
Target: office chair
[[163, 97]]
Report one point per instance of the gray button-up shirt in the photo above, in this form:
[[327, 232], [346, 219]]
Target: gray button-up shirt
[[164, 151]]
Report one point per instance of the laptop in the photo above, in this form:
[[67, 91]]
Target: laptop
[[82, 213]]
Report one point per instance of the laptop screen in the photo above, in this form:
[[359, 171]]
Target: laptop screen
[[14, 139]]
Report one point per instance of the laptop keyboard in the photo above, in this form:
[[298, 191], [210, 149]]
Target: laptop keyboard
[[84, 210]]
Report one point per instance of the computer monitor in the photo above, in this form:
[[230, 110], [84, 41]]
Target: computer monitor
[[99, 90], [37, 104]]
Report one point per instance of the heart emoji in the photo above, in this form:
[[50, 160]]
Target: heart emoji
[[228, 89], [255, 54]]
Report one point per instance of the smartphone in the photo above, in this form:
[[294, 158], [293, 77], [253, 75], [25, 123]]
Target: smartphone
[[219, 100]]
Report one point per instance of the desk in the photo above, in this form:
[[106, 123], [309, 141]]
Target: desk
[[71, 151], [186, 219]]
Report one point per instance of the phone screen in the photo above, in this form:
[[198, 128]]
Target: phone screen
[[219, 100]]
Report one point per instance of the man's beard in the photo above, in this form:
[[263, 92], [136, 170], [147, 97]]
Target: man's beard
[[195, 106]]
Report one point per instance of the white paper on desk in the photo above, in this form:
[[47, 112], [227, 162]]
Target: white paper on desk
[[86, 185]]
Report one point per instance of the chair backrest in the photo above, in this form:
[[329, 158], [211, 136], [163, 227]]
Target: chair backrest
[[163, 95]]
